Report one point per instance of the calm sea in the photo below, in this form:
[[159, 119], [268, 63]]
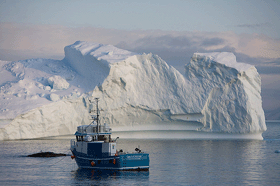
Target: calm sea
[[172, 162]]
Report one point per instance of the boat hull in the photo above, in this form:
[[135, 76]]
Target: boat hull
[[125, 162]]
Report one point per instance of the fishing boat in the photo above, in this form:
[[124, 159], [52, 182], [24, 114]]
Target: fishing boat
[[94, 148]]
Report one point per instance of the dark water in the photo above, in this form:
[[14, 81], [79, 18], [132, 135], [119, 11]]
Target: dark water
[[172, 162]]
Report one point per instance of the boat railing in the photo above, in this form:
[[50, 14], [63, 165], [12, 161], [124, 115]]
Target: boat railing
[[123, 153], [93, 128]]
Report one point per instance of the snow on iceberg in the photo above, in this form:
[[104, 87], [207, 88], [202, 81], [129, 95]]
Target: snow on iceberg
[[58, 83], [142, 93], [92, 61]]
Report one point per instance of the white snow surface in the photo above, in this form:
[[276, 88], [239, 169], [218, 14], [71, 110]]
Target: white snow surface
[[226, 58], [104, 53], [44, 97], [58, 83], [91, 61]]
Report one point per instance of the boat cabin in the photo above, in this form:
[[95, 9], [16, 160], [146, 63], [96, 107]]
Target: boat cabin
[[93, 133], [94, 141]]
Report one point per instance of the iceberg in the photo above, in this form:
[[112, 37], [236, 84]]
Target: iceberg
[[138, 93], [234, 103]]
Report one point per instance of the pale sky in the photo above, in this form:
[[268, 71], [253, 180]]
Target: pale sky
[[239, 16], [172, 29]]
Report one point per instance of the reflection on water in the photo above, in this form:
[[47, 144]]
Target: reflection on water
[[101, 177], [196, 162]]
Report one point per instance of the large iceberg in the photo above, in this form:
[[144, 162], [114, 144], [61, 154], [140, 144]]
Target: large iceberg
[[138, 93]]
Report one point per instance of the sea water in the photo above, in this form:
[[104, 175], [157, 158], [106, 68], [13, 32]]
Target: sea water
[[172, 162]]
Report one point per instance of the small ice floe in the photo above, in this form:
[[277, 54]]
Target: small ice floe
[[277, 151], [46, 154]]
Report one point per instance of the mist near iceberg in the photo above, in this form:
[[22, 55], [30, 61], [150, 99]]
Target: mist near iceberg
[[140, 95]]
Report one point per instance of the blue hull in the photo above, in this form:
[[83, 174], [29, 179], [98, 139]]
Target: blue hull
[[139, 161]]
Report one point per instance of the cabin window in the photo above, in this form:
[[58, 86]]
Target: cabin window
[[79, 138]]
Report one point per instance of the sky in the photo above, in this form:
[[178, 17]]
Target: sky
[[172, 29], [250, 16]]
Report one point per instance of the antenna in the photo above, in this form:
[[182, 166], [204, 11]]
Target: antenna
[[97, 115]]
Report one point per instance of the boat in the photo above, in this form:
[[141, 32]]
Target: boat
[[94, 148]]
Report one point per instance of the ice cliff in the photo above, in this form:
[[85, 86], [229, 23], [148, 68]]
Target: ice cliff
[[233, 90], [41, 98]]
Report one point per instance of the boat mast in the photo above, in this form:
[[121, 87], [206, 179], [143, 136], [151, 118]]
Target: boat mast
[[97, 115]]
